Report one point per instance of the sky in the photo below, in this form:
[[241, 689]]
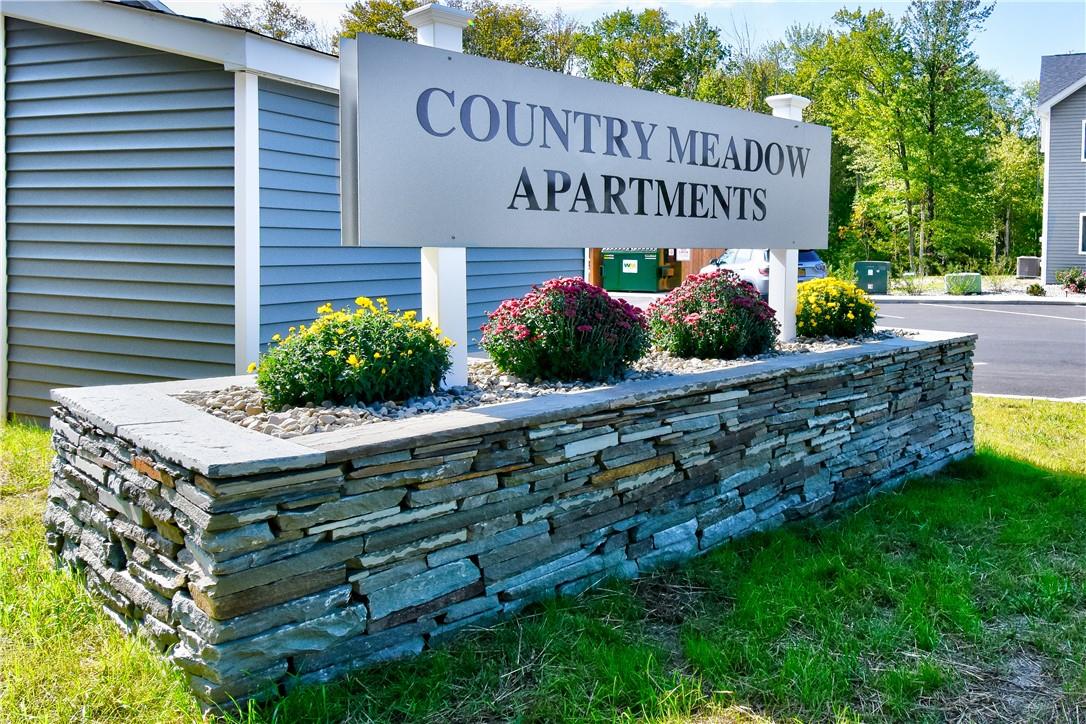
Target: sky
[[1016, 36]]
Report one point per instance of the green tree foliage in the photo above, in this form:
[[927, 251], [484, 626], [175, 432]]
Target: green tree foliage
[[938, 149], [950, 103], [379, 17], [276, 19], [648, 50], [559, 46], [1016, 180], [515, 33], [749, 74], [858, 79]]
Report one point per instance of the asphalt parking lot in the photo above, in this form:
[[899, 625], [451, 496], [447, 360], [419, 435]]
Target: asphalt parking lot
[[1034, 350], [1022, 349]]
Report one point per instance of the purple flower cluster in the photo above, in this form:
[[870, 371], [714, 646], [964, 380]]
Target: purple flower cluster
[[713, 316], [1073, 280], [565, 328]]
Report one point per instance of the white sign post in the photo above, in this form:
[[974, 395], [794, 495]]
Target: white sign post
[[784, 263], [445, 269]]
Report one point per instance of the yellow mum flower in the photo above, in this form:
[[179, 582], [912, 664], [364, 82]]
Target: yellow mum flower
[[410, 314], [363, 301], [333, 353], [252, 367], [353, 361], [276, 338], [377, 355], [383, 302], [325, 308]]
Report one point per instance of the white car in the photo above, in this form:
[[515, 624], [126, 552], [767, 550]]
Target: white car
[[752, 265]]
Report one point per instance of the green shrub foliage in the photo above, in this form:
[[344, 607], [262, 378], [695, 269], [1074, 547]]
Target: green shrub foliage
[[713, 316], [565, 329], [1036, 290], [367, 355], [833, 308]]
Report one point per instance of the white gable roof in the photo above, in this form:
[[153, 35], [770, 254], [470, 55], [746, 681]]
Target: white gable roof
[[234, 48]]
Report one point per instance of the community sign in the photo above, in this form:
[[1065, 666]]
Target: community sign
[[456, 150]]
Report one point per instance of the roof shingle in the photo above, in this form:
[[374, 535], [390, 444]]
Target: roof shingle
[[1059, 72]]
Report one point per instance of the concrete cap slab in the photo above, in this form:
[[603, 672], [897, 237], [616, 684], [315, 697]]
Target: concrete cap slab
[[151, 417]]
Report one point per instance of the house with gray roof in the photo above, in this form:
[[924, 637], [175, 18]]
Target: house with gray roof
[[1061, 106]]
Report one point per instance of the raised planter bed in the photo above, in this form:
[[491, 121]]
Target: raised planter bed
[[259, 563]]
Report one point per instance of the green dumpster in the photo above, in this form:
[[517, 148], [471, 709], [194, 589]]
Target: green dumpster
[[872, 276], [631, 270]]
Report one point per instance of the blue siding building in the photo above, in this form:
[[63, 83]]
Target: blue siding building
[[128, 252], [1062, 110]]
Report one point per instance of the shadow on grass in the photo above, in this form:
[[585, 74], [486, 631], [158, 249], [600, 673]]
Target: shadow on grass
[[916, 604]]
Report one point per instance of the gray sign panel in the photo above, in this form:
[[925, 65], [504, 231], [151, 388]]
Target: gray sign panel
[[455, 150]]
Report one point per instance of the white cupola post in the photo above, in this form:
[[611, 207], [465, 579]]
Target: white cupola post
[[445, 270], [784, 263]]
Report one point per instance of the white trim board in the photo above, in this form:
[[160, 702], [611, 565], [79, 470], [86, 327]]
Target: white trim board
[[3, 228], [246, 220], [1046, 151], [234, 48]]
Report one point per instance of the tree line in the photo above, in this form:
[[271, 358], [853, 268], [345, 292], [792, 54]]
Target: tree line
[[936, 164]]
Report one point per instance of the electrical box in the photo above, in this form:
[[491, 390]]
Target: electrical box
[[872, 276]]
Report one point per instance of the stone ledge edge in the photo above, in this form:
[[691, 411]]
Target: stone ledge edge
[[149, 416]]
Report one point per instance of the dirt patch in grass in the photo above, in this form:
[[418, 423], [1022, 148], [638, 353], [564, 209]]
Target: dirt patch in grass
[[669, 601], [729, 715], [1021, 688]]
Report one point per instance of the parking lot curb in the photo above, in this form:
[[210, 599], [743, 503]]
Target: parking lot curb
[[942, 299], [1076, 400]]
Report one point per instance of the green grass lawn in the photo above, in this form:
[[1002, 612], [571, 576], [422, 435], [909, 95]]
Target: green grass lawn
[[963, 595]]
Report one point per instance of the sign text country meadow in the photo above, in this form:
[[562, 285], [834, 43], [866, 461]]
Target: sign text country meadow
[[457, 150], [591, 133]]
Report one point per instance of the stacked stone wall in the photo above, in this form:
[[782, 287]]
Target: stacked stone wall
[[254, 583]]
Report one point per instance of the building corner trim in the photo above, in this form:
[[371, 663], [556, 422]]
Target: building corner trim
[[246, 220], [3, 224]]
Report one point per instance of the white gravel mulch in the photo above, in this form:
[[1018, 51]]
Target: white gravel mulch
[[244, 405]]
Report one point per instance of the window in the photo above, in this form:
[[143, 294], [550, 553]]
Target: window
[[1082, 233], [1082, 157]]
